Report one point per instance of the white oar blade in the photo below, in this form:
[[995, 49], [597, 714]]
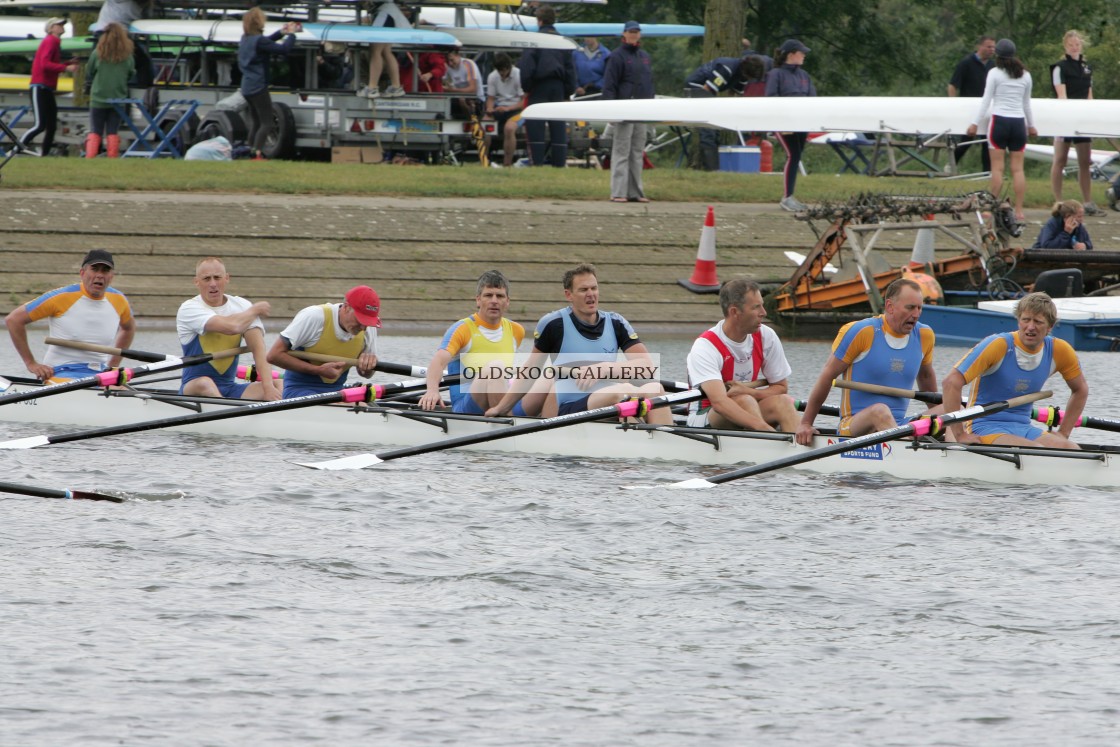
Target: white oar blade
[[696, 483], [358, 461], [25, 443]]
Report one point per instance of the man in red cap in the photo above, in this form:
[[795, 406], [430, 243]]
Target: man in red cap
[[346, 330]]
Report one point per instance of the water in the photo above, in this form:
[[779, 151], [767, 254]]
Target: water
[[484, 599]]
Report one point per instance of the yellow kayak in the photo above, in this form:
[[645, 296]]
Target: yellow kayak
[[12, 82]]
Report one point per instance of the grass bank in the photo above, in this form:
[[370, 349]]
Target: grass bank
[[295, 177]]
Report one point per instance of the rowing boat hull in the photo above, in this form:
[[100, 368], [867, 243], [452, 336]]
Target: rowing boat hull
[[365, 429]]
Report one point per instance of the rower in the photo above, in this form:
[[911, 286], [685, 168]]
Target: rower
[[346, 330], [1013, 363], [586, 343], [89, 311], [740, 349], [893, 349], [480, 347], [213, 321]]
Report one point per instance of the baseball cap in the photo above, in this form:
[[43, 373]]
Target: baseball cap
[[366, 305], [632, 26], [1005, 48], [99, 257], [793, 45], [53, 22]]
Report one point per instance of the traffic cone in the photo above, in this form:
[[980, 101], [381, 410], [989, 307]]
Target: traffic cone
[[923, 253], [704, 278]]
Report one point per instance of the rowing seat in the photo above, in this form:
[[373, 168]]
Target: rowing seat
[[1064, 283]]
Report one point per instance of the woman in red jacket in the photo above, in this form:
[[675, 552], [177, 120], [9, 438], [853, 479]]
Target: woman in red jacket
[[44, 81]]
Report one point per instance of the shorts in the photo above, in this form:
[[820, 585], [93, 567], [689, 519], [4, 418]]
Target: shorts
[[229, 388], [1007, 133], [294, 390], [68, 371], [1074, 140], [465, 405], [500, 118], [989, 430], [575, 405]]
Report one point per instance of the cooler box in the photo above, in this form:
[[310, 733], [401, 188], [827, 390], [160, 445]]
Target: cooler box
[[745, 159]]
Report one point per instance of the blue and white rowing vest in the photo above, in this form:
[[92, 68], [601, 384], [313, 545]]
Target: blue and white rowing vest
[[577, 349]]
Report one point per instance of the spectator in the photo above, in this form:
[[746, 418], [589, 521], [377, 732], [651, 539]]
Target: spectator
[[334, 67], [504, 102], [110, 66], [547, 75], [1065, 229], [252, 57], [1008, 94], [590, 61], [968, 81], [711, 79], [628, 75], [44, 81], [788, 79], [463, 78], [125, 12], [381, 57], [432, 67], [1072, 78]]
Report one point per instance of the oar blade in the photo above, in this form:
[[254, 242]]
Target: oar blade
[[84, 495], [357, 461], [696, 483], [25, 443]]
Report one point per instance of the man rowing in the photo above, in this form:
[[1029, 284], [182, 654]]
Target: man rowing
[[892, 349], [480, 348], [585, 344], [345, 330], [213, 321], [90, 311], [739, 350], [1014, 363]]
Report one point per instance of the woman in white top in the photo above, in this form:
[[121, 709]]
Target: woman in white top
[[1007, 94]]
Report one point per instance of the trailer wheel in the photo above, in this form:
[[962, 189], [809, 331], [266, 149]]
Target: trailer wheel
[[281, 141], [228, 124], [187, 135]]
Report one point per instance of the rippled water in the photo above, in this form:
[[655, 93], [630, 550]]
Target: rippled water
[[475, 599]]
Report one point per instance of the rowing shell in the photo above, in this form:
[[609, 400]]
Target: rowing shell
[[360, 427]]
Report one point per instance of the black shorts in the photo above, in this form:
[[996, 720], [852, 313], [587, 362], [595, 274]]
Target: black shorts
[[1008, 133], [1075, 140], [501, 118]]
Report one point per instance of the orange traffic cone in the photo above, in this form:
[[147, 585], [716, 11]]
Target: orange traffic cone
[[704, 278]]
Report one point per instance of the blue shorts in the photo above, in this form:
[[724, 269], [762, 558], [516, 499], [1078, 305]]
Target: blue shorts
[[575, 405], [1008, 133], [228, 388], [290, 392], [75, 371], [989, 430], [467, 406]]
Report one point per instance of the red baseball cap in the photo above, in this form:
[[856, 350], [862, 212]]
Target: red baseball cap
[[366, 305]]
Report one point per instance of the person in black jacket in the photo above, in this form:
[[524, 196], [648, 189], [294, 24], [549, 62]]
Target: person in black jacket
[[788, 79], [712, 79], [629, 75], [547, 75], [1072, 78]]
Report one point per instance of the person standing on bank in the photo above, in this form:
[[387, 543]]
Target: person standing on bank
[[1072, 78], [44, 82], [788, 79], [968, 81], [110, 66], [713, 78], [253, 57], [547, 75], [1008, 95], [628, 75]]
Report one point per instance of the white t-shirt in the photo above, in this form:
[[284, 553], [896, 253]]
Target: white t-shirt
[[194, 313], [462, 76], [1007, 96], [307, 327], [505, 92], [705, 363]]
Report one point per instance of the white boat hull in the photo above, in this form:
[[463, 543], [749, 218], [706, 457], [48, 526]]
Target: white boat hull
[[366, 429]]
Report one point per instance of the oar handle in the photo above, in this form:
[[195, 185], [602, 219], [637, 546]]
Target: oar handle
[[933, 398], [400, 369], [137, 355]]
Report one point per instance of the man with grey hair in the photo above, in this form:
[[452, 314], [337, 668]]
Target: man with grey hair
[[480, 348], [728, 361], [1011, 364]]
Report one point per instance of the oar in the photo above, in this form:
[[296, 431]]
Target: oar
[[365, 393], [624, 409], [11, 487], [136, 355], [918, 427], [833, 410], [1052, 416], [400, 369], [933, 398], [117, 376]]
